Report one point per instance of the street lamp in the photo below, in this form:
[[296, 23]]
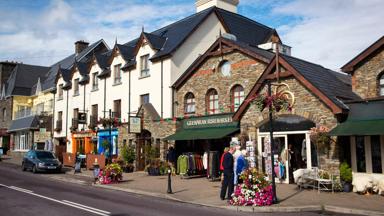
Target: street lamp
[[169, 190]]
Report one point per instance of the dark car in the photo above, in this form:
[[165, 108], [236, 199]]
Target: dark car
[[36, 161]]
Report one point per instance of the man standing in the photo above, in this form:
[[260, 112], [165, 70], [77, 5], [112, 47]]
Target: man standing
[[228, 175]]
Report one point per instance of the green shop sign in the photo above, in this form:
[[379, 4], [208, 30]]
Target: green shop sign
[[210, 122]]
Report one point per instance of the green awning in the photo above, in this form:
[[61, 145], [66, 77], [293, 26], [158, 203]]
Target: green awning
[[203, 133], [359, 127]]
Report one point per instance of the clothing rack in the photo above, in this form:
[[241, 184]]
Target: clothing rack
[[190, 165]]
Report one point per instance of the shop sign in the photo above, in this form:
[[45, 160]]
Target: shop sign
[[134, 124], [210, 121], [82, 118], [83, 135]]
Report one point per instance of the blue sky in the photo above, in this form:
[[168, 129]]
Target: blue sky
[[327, 32]]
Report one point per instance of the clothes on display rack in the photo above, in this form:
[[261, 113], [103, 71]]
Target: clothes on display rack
[[190, 164], [280, 170], [213, 164]]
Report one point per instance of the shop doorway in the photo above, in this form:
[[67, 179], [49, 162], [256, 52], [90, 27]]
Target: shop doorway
[[144, 142]]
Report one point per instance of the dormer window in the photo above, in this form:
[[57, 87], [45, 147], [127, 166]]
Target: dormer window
[[144, 66], [381, 85], [95, 81], [117, 74], [76, 87], [60, 92]]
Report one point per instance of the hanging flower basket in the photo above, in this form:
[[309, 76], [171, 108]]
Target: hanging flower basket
[[255, 190], [278, 102]]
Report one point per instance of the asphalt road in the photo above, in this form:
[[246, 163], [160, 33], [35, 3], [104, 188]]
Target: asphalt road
[[24, 193]]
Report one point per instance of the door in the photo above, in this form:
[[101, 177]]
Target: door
[[279, 151]]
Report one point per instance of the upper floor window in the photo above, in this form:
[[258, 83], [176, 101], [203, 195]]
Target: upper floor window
[[76, 87], [95, 81], [60, 92], [237, 97], [225, 68], [144, 99], [144, 66], [117, 74], [381, 85], [189, 103], [212, 102], [117, 108]]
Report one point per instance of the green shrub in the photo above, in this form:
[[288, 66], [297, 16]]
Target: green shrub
[[345, 172], [128, 154]]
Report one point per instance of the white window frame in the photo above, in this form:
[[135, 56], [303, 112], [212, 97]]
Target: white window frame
[[95, 81], [76, 87], [144, 66], [117, 74]]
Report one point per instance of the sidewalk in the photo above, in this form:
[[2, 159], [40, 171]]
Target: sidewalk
[[201, 191]]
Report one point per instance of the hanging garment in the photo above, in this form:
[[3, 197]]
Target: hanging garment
[[205, 160], [281, 170], [304, 150], [182, 164]]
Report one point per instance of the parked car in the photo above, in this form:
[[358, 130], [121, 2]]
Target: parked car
[[37, 160]]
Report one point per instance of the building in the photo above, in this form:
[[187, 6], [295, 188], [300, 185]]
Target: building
[[363, 129], [134, 80]]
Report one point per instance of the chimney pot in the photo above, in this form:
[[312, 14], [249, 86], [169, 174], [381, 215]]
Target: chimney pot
[[80, 46]]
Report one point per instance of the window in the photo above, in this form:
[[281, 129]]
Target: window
[[144, 66], [237, 97], [144, 99], [4, 114], [75, 113], [212, 102], [117, 108], [21, 141], [117, 74], [76, 87], [360, 154], [23, 111], [95, 81], [189, 103], [60, 92], [60, 115], [376, 154], [225, 68], [95, 112], [381, 85], [39, 108]]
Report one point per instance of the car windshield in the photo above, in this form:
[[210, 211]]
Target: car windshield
[[44, 155]]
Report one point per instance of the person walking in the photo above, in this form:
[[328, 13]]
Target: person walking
[[227, 184]]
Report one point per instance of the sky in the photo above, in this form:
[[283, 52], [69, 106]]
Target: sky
[[326, 32]]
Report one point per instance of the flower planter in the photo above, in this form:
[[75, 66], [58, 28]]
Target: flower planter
[[347, 187]]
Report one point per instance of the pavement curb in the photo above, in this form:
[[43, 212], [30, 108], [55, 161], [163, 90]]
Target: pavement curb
[[343, 210]]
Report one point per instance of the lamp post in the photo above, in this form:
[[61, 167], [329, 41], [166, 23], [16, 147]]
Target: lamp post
[[272, 144], [169, 190]]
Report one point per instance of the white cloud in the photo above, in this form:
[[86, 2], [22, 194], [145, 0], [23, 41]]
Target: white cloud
[[331, 32]]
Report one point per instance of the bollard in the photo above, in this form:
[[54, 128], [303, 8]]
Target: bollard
[[169, 191]]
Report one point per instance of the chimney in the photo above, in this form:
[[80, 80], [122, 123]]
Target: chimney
[[229, 5], [80, 46]]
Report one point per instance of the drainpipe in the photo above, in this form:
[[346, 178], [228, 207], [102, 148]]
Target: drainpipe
[[162, 88], [66, 118], [129, 101], [105, 95], [173, 102], [53, 116], [84, 107]]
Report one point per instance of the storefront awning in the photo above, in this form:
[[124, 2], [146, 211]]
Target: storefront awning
[[27, 123], [203, 133], [359, 127]]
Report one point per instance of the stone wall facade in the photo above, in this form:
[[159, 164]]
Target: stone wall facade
[[306, 105], [5, 122], [244, 71], [365, 78]]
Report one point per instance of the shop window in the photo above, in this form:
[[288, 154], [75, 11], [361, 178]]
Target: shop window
[[212, 102], [21, 141], [76, 87], [237, 97], [189, 103], [117, 74], [225, 68], [360, 154], [381, 85], [144, 66], [376, 154]]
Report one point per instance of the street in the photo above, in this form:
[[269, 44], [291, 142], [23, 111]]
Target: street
[[24, 193]]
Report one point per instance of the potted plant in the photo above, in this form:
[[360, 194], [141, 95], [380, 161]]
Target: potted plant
[[128, 154], [346, 176]]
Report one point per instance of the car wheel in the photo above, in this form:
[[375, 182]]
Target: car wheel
[[34, 170], [23, 167]]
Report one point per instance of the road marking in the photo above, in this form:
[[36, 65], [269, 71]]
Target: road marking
[[64, 202], [86, 207]]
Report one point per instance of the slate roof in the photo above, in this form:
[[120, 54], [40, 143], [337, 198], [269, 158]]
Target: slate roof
[[23, 78], [366, 110], [327, 81], [243, 28], [67, 63], [126, 51], [30, 122], [102, 59], [156, 41]]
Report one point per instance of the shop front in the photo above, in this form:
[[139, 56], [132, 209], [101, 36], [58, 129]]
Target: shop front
[[203, 139], [107, 142], [82, 142]]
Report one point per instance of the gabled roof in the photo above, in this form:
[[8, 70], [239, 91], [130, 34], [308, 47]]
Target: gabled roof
[[352, 64], [255, 52], [245, 29], [125, 51], [23, 78], [66, 63], [322, 82]]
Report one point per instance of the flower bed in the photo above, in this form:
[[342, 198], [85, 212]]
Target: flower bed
[[255, 190], [111, 174]]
